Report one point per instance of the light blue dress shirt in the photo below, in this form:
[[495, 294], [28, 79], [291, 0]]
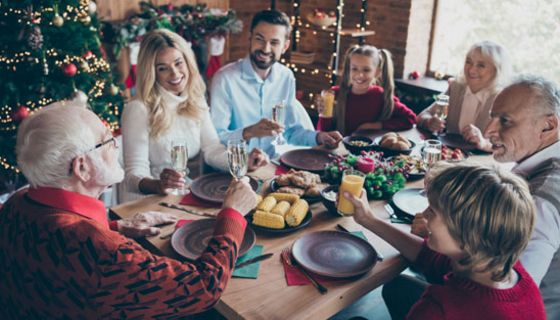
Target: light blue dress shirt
[[240, 98]]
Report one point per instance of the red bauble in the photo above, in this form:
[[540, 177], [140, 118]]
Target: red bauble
[[69, 70], [88, 54], [414, 75], [20, 114]]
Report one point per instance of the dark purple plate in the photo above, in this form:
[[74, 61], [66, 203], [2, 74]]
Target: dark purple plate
[[192, 239], [456, 141], [212, 187], [313, 160], [334, 254]]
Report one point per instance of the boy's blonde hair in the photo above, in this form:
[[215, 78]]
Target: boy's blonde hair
[[160, 117], [381, 61], [488, 211]]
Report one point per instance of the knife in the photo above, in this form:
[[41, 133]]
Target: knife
[[176, 207], [253, 260]]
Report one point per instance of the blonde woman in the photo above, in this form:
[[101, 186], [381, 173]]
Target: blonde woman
[[170, 105], [486, 71]]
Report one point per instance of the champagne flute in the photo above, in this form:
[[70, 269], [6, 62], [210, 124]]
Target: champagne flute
[[179, 159], [442, 107], [237, 158], [279, 116]]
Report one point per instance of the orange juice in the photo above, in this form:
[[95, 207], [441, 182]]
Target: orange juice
[[352, 182], [328, 102]]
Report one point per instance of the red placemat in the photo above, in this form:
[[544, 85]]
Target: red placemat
[[191, 200], [294, 277], [181, 223]]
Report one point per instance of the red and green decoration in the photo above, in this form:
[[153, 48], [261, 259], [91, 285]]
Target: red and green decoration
[[198, 24], [50, 50], [383, 177]]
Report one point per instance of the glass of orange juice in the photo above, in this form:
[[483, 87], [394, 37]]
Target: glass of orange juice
[[352, 182], [328, 103]]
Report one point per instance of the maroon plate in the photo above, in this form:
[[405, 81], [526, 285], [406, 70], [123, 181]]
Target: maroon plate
[[192, 239], [456, 141], [313, 160], [334, 254], [212, 187]]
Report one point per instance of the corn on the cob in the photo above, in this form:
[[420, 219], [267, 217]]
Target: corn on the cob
[[297, 212], [291, 198], [268, 220], [281, 208], [259, 198], [267, 204]]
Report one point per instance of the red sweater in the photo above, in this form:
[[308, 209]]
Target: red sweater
[[455, 297], [59, 259], [363, 108]]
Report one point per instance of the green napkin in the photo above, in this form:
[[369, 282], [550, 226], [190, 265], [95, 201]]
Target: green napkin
[[251, 271], [359, 234]]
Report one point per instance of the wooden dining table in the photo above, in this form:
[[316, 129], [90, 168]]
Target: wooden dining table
[[269, 296]]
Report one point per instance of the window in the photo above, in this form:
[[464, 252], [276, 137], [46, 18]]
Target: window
[[530, 30]]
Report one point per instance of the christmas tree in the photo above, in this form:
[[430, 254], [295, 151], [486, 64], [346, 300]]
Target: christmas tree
[[50, 50]]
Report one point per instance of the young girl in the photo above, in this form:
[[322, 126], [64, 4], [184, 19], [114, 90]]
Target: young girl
[[360, 103], [475, 238], [487, 69]]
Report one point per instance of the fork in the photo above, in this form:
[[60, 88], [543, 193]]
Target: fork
[[286, 255]]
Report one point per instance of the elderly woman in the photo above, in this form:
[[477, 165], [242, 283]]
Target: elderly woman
[[170, 105], [487, 69]]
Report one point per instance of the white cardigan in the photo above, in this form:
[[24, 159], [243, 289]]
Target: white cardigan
[[146, 157]]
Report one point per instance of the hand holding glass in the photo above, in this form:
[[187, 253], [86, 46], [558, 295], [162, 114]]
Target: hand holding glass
[[179, 159], [279, 116], [352, 182], [237, 158]]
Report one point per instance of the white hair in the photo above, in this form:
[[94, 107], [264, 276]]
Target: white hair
[[545, 92], [500, 59], [48, 141]]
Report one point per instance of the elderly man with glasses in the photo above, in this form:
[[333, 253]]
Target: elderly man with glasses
[[60, 256]]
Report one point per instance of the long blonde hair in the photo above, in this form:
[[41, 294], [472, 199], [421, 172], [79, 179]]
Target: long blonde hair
[[160, 117], [381, 61]]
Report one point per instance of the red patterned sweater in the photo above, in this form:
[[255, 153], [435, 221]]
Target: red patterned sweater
[[455, 297], [363, 108], [59, 259]]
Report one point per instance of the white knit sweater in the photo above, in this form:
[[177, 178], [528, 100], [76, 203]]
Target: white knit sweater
[[146, 157]]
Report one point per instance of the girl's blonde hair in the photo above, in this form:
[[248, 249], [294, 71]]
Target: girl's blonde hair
[[500, 59], [381, 61], [488, 211], [160, 118]]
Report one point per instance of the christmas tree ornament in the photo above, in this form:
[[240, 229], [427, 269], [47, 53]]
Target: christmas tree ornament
[[92, 7], [79, 97], [57, 20], [113, 90], [69, 69], [88, 54], [35, 38], [20, 113], [86, 20], [84, 66]]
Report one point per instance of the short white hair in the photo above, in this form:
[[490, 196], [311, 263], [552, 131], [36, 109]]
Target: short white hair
[[546, 93], [48, 141], [499, 56]]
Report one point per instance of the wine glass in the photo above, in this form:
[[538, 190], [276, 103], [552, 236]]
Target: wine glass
[[237, 158], [431, 153], [179, 159], [279, 116], [442, 107]]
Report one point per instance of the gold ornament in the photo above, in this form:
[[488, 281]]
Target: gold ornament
[[86, 20], [58, 20], [113, 90], [84, 66]]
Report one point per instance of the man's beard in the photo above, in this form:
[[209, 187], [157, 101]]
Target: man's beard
[[261, 64], [104, 174]]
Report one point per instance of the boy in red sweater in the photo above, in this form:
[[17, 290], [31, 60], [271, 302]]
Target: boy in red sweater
[[476, 235]]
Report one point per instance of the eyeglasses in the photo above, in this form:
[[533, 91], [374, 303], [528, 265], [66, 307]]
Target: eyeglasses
[[99, 145]]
